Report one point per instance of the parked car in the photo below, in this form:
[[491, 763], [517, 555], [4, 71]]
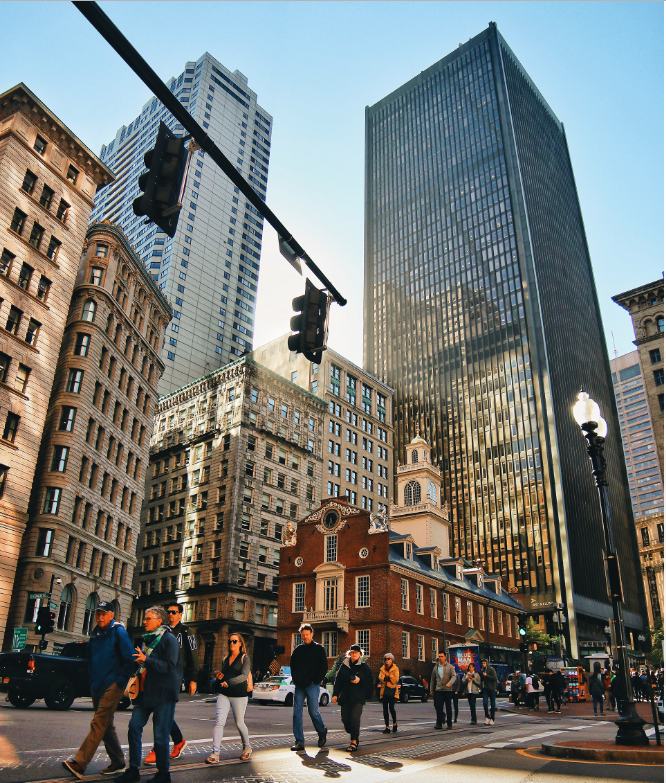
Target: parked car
[[410, 688], [58, 679], [280, 690]]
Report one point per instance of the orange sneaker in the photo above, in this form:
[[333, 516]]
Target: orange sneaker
[[151, 758], [178, 749]]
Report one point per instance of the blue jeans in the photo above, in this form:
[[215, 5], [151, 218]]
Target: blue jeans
[[162, 720], [598, 700], [489, 703], [312, 693]]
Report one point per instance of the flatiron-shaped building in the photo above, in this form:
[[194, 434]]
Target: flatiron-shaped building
[[481, 312]]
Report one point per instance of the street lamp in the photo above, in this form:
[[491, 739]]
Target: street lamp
[[587, 414]]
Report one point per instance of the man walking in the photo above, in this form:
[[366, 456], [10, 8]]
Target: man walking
[[489, 687], [308, 668], [442, 682], [557, 685], [187, 643], [160, 677], [110, 665]]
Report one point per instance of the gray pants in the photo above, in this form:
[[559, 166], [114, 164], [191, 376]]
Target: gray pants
[[238, 705]]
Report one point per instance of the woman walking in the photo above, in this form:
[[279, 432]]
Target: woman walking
[[232, 685], [353, 685], [388, 678], [472, 681]]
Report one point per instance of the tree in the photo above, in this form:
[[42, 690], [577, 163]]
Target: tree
[[536, 636], [330, 674], [657, 638]]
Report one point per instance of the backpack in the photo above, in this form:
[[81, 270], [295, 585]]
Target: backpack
[[536, 682]]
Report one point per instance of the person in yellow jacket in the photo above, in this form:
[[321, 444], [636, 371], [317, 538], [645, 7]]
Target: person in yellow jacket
[[388, 690]]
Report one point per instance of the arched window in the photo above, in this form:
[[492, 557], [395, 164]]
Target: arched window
[[128, 345], [119, 334], [660, 324], [415, 456], [89, 614], [88, 310], [65, 614], [109, 324], [412, 493], [432, 492], [425, 455]]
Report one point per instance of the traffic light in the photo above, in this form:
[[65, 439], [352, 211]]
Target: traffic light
[[522, 627], [161, 184], [311, 325], [523, 647], [45, 621]]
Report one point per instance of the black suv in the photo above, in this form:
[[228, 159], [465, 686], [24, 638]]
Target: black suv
[[410, 688]]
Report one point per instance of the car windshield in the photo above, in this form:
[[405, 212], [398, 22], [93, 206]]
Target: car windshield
[[409, 681], [282, 680]]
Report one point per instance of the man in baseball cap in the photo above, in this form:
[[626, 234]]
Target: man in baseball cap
[[110, 665]]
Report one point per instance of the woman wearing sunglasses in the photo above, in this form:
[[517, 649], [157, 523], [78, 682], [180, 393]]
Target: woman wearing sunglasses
[[388, 678], [232, 685]]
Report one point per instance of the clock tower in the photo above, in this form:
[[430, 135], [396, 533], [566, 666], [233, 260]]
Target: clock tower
[[418, 509]]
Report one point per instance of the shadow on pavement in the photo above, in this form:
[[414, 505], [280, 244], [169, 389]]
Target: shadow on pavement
[[331, 769]]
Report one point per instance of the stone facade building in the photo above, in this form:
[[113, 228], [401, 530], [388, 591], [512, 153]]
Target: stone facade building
[[235, 460], [48, 179], [390, 583], [89, 481], [645, 304], [358, 447]]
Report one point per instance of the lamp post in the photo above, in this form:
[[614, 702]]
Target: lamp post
[[587, 414]]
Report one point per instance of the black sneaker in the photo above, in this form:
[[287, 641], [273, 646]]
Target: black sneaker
[[439, 726], [162, 776], [386, 730], [130, 775], [322, 739], [298, 746]]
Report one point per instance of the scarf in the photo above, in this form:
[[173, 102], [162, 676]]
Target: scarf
[[150, 642]]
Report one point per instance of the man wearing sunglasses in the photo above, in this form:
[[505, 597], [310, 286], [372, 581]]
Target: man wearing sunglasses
[[187, 643]]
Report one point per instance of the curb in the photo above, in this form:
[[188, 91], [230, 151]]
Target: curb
[[629, 755]]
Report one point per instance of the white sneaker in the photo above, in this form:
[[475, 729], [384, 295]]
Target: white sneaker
[[491, 722], [487, 721]]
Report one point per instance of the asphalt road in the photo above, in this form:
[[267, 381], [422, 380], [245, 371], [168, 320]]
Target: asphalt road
[[33, 743]]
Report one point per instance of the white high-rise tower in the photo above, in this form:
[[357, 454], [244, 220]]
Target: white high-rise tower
[[209, 270]]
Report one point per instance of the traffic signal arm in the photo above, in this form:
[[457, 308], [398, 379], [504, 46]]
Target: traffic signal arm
[[101, 22]]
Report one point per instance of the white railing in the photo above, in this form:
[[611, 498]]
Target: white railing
[[325, 614]]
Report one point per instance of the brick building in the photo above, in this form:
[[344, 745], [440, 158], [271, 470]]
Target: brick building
[[235, 458], [48, 179], [356, 579], [89, 482], [358, 447]]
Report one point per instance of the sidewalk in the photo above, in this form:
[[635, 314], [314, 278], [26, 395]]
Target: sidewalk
[[582, 710]]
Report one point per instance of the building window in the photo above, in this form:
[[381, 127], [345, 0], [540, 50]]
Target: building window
[[458, 619], [44, 542], [412, 493], [420, 647], [363, 640], [419, 599], [11, 426], [500, 619], [482, 618], [18, 221], [404, 594], [65, 613], [433, 602], [74, 381], [331, 549], [362, 591], [658, 377], [59, 462], [405, 644], [655, 356], [434, 646], [299, 597], [96, 275], [40, 145], [470, 615], [296, 640], [82, 344], [89, 614], [52, 500], [88, 313], [330, 642]]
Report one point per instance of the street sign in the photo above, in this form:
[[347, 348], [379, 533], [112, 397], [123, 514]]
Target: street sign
[[53, 605], [57, 648], [38, 595], [20, 638]]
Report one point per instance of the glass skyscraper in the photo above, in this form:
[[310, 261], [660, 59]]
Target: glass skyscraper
[[209, 270], [481, 312]]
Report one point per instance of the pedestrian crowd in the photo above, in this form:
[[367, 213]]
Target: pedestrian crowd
[[153, 674]]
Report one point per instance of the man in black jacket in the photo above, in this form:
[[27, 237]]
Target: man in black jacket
[[187, 643], [308, 668], [160, 676], [353, 685]]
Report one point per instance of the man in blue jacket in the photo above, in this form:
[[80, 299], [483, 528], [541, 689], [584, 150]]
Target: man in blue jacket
[[160, 677], [110, 665]]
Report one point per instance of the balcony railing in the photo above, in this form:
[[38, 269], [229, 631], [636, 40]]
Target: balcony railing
[[339, 617]]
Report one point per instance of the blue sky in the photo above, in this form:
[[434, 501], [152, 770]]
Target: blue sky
[[315, 66]]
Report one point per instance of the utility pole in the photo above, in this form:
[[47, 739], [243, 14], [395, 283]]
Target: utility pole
[[288, 243]]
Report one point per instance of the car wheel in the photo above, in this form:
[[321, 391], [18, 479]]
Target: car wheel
[[404, 698], [60, 695], [19, 698], [323, 700], [124, 703], [289, 701]]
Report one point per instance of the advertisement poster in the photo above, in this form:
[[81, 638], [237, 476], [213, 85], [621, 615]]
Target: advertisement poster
[[461, 657]]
